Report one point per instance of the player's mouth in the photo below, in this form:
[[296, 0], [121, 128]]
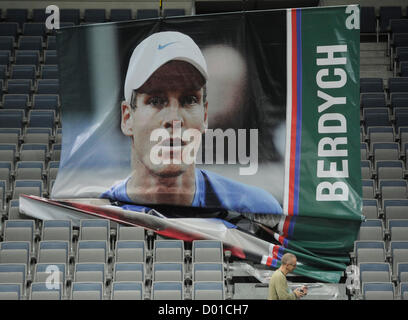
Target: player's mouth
[[173, 143]]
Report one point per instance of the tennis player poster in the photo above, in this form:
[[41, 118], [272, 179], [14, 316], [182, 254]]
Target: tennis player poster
[[251, 118]]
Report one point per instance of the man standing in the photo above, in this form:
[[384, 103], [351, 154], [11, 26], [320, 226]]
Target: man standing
[[278, 285]]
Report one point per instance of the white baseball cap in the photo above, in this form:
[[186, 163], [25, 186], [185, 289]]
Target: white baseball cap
[[155, 51]]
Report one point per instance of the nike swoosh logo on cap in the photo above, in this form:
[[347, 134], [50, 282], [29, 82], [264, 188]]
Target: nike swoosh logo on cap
[[160, 47]]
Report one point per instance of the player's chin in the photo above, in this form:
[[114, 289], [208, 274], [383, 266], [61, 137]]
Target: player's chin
[[169, 170]]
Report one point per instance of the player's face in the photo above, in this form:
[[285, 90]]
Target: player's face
[[172, 99]]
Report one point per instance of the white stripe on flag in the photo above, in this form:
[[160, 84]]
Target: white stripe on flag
[[288, 107], [264, 259]]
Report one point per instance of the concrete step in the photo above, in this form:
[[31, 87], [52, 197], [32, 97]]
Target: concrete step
[[373, 54], [373, 46], [374, 67], [375, 61], [376, 74]]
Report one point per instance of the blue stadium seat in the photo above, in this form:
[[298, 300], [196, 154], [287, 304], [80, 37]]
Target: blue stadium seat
[[120, 15], [51, 43], [375, 272], [57, 230], [129, 271], [56, 152], [41, 119], [368, 189], [3, 73], [129, 290], [369, 251], [29, 170], [7, 43], [48, 86], [5, 60], [208, 290], [94, 16], [380, 134], [368, 20], [17, 15], [13, 273], [373, 100], [398, 85], [94, 229], [70, 15], [130, 251], [364, 151], [8, 152], [167, 290], [378, 291], [87, 291], [385, 151], [386, 14], [377, 117], [371, 229], [389, 169], [395, 209], [404, 69], [90, 272], [27, 187], [23, 72], [39, 15], [366, 170], [30, 43], [399, 100], [399, 253], [398, 229], [402, 269], [147, 13], [404, 291], [34, 29], [45, 102], [33, 152], [92, 251], [15, 101], [53, 252], [50, 57], [28, 57], [19, 230], [174, 12], [393, 189], [37, 135], [208, 272], [49, 71], [11, 119], [168, 271], [15, 252], [9, 29], [207, 251], [10, 291], [45, 291], [371, 85], [168, 251]]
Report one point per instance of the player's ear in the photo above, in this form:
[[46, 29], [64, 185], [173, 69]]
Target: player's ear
[[206, 115], [126, 119]]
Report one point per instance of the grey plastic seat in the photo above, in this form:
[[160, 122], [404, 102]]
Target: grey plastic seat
[[45, 291], [364, 151], [402, 271], [385, 151], [37, 135], [15, 252], [10, 291], [8, 152], [399, 253], [27, 187], [13, 273], [398, 229], [404, 290], [53, 252], [374, 272], [90, 272], [50, 57], [52, 171], [130, 233], [389, 169], [167, 290], [208, 272], [129, 271], [6, 168], [378, 291], [130, 251], [129, 290], [366, 171], [92, 251], [15, 101], [168, 271], [395, 209], [33, 152], [57, 230], [19, 230], [371, 230], [207, 251], [87, 291], [369, 191], [381, 134], [29, 170], [393, 189], [14, 211], [208, 290], [53, 273], [369, 251], [94, 229], [168, 251]]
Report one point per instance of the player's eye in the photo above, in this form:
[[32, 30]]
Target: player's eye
[[157, 101], [189, 100]]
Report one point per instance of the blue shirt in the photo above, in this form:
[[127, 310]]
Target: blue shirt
[[212, 191]]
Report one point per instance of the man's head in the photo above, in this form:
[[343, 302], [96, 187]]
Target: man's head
[[288, 262], [164, 89]]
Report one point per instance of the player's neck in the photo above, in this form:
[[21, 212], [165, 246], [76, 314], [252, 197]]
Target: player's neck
[[145, 187]]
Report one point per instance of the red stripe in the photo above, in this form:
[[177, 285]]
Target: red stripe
[[294, 117], [275, 252], [286, 225], [269, 261]]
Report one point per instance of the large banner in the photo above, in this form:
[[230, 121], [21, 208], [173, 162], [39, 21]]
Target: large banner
[[251, 118]]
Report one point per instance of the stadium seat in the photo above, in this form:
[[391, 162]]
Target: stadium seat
[[120, 15], [395, 209], [41, 119], [129, 272], [5, 56], [10, 135], [5, 174], [50, 57], [377, 117], [19, 16], [53, 252], [168, 251], [95, 251], [7, 151], [393, 189], [34, 29], [207, 290], [402, 272], [19, 230], [369, 251], [368, 20], [90, 272], [10, 291], [94, 229], [378, 291], [398, 85], [364, 151], [404, 69], [388, 169], [130, 251], [23, 71], [9, 29], [37, 135], [404, 290], [398, 229], [57, 230], [15, 252], [373, 100], [385, 151], [33, 152], [130, 290], [39, 15], [29, 170], [70, 15], [87, 291], [51, 271], [399, 100], [369, 191], [130, 233], [45, 291], [147, 13], [20, 86], [366, 171], [45, 102], [47, 86], [371, 230], [208, 272], [30, 43], [386, 14], [27, 187], [14, 211], [167, 290], [371, 85], [168, 271], [94, 16], [399, 253], [55, 152], [51, 43], [7, 44], [13, 273], [174, 12], [27, 57], [52, 170], [380, 134], [49, 71], [207, 251], [15, 101]]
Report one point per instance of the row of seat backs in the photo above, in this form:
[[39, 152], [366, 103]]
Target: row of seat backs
[[385, 15], [373, 229], [394, 85]]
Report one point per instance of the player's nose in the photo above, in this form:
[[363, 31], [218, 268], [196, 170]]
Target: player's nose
[[172, 115]]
